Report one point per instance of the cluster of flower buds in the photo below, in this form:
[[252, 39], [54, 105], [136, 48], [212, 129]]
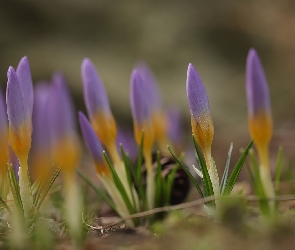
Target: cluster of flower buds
[[101, 131], [259, 113]]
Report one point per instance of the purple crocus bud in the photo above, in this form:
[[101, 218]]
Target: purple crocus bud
[[40, 153], [141, 111], [19, 116], [23, 73], [259, 109], [201, 120], [64, 141], [3, 133], [152, 89], [97, 105], [158, 116], [94, 146]]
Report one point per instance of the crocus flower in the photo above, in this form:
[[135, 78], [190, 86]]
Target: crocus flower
[[101, 117], [65, 144], [201, 121], [98, 107], [202, 124], [259, 117], [40, 153], [158, 116], [19, 114], [3, 133], [141, 113], [94, 146], [19, 101], [259, 109], [96, 150]]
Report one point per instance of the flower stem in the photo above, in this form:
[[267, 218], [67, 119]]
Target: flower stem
[[73, 208], [150, 185], [25, 188]]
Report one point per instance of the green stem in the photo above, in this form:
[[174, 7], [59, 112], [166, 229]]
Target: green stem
[[150, 182], [25, 188]]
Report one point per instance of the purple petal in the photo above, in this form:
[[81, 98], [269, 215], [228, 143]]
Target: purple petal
[[3, 114], [17, 109], [140, 105], [24, 76], [40, 137], [256, 85], [95, 96], [60, 109], [152, 89], [196, 94], [93, 144]]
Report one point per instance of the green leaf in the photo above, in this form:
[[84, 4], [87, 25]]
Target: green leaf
[[138, 178], [47, 188], [256, 182], [236, 171], [5, 205], [127, 169], [15, 191], [206, 178], [187, 172], [170, 182], [225, 173], [98, 191], [259, 188], [119, 185]]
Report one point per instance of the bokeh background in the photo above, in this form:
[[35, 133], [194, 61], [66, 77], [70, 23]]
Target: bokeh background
[[213, 35]]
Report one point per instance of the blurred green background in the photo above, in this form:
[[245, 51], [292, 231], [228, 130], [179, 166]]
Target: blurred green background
[[213, 35]]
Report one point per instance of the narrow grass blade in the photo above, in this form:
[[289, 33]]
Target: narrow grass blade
[[5, 205], [47, 188], [98, 191], [206, 178], [127, 169], [278, 171], [169, 184], [15, 191], [187, 172], [36, 190], [138, 178], [225, 173], [119, 185], [236, 171]]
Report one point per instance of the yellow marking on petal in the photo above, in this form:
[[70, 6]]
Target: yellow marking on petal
[[203, 131], [261, 129], [160, 126], [41, 166], [21, 142], [102, 168], [66, 153], [105, 127], [149, 135]]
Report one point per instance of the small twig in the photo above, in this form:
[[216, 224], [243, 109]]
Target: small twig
[[251, 198]]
